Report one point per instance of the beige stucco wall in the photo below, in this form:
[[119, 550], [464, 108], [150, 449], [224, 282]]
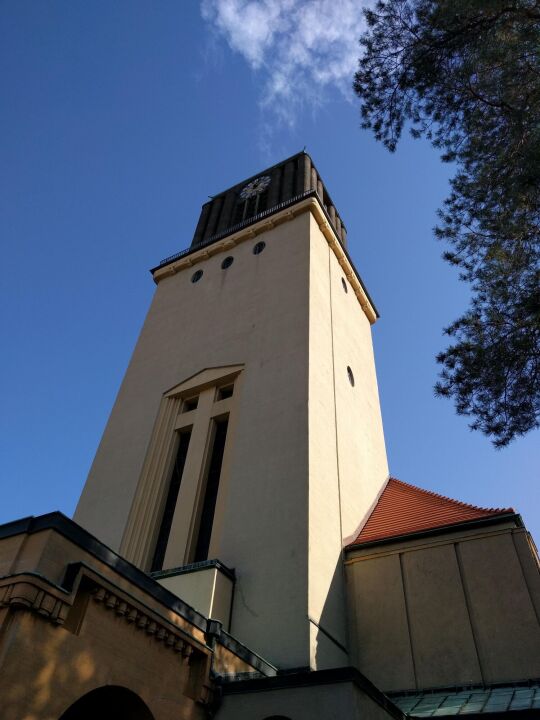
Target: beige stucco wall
[[328, 702], [283, 316], [209, 591], [254, 313], [446, 610], [347, 457]]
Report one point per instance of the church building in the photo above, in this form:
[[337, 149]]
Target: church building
[[239, 550]]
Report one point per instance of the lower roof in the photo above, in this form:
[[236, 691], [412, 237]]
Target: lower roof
[[404, 509], [472, 701]]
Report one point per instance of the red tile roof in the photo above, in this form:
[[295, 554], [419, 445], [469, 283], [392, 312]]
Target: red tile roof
[[403, 509]]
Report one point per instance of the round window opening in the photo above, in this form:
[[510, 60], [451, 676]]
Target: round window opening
[[344, 285], [351, 376], [197, 275], [259, 247], [227, 262]]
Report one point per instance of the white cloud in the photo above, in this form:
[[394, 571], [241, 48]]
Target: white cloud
[[301, 47]]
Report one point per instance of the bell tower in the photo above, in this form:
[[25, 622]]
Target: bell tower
[[247, 428]]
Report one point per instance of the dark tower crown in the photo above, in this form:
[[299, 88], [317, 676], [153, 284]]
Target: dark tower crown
[[284, 184]]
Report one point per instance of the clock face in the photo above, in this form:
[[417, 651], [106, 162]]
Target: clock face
[[255, 187]]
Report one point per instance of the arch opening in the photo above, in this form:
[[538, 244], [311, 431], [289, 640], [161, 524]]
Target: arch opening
[[108, 703]]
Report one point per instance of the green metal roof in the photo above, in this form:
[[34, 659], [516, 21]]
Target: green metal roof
[[470, 701]]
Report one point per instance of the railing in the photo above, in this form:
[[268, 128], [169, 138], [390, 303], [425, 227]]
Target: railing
[[238, 226], [256, 218]]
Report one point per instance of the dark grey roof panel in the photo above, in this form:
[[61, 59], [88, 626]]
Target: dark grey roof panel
[[282, 183], [470, 701]]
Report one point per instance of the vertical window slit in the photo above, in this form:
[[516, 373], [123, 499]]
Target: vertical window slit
[[170, 502], [211, 491]]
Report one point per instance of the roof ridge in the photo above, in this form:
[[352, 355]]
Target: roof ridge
[[445, 497]]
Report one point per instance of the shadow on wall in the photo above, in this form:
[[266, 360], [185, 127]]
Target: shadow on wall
[[332, 637], [46, 670], [102, 670], [41, 674]]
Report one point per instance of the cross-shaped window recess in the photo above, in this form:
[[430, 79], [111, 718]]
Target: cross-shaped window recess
[[180, 492]]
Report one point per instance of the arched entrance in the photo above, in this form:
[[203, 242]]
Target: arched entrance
[[108, 703]]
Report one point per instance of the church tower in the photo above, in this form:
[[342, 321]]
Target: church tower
[[247, 428]]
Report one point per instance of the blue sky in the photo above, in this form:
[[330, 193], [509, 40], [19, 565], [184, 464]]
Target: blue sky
[[118, 120]]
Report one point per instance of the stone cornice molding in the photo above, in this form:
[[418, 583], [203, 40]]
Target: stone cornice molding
[[113, 597], [32, 592], [144, 620]]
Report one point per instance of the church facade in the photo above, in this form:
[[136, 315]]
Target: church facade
[[239, 549]]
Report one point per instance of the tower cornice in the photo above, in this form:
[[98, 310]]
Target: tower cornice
[[309, 204]]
